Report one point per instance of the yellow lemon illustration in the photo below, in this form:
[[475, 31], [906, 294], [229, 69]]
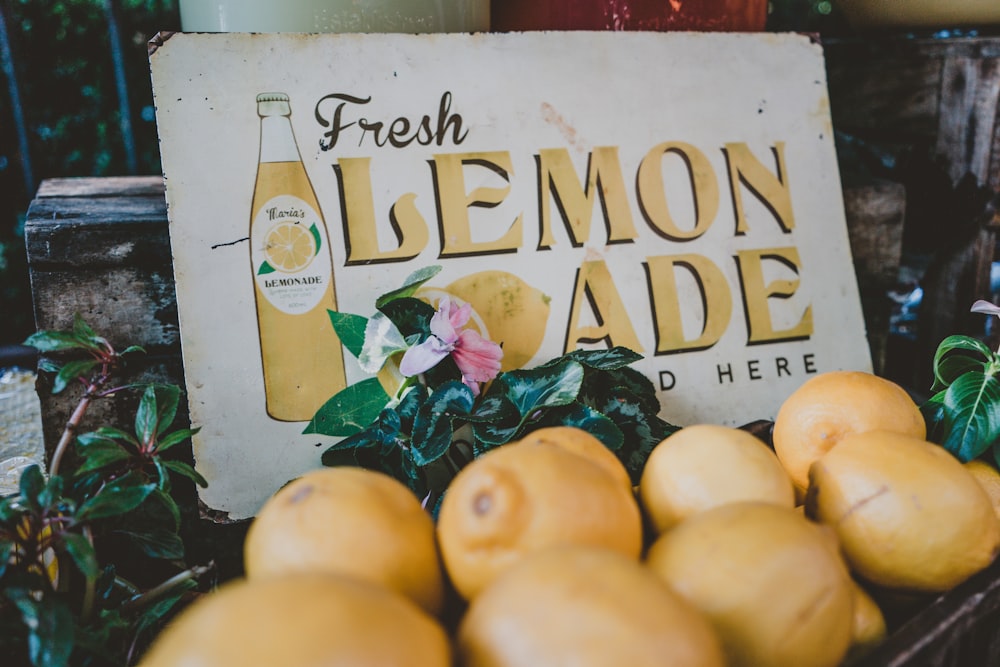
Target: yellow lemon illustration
[[289, 247]]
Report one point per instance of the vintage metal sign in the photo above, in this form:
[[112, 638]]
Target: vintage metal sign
[[673, 193]]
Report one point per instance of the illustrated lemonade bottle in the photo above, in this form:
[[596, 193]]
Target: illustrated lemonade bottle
[[293, 275]]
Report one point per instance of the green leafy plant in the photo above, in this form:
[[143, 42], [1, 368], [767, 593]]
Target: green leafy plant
[[963, 415], [439, 419], [61, 601]]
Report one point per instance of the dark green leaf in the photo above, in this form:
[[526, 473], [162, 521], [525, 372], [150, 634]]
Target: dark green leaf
[[433, 428], [132, 349], [175, 438], [490, 435], [82, 330], [934, 416], [351, 410], [6, 549], [109, 433], [154, 614], [80, 550], [350, 329], [97, 453], [168, 397], [146, 417], [354, 457], [52, 493], [162, 508], [586, 418], [954, 366], [495, 407], [943, 375], [380, 436], [9, 509], [409, 405], [71, 371], [410, 285], [411, 316], [48, 365], [31, 486], [56, 341], [157, 542], [972, 413], [642, 430], [117, 497], [50, 628], [534, 389], [186, 470], [604, 360]]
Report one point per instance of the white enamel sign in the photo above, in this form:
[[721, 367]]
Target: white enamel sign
[[673, 193]]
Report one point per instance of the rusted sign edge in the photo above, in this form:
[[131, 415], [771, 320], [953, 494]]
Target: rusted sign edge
[[158, 40]]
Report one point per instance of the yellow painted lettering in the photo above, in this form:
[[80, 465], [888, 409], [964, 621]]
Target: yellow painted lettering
[[668, 314], [771, 188], [558, 179], [757, 293], [652, 193], [358, 216], [595, 284], [454, 202]]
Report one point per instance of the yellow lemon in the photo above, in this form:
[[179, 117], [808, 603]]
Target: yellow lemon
[[909, 516], [989, 478], [769, 581], [299, 620], [351, 521], [703, 466], [833, 405], [523, 497], [586, 607]]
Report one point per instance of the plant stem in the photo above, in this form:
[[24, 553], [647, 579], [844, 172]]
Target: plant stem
[[154, 594], [69, 432]]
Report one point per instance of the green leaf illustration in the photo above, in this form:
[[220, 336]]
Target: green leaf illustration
[[350, 329], [265, 268], [316, 237], [350, 410]]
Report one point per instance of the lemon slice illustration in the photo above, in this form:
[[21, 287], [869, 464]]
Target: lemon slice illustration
[[290, 247]]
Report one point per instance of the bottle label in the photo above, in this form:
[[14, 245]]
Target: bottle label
[[290, 258]]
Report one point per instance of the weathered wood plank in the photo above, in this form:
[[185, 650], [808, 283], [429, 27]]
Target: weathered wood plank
[[132, 305], [970, 89], [103, 186], [958, 629], [875, 215]]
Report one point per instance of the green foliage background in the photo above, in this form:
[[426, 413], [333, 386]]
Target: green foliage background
[[61, 58]]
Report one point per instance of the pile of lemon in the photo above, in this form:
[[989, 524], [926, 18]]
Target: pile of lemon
[[544, 553]]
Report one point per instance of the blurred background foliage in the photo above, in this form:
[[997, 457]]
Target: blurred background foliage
[[76, 101], [75, 75]]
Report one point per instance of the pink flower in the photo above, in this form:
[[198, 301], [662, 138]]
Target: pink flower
[[477, 358]]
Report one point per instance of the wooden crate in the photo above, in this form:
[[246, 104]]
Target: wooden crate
[[926, 114]]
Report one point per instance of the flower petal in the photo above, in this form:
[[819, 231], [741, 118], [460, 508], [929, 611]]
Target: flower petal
[[425, 356], [985, 307], [441, 324], [476, 357]]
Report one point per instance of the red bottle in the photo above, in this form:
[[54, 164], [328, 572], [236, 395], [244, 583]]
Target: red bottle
[[656, 15]]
